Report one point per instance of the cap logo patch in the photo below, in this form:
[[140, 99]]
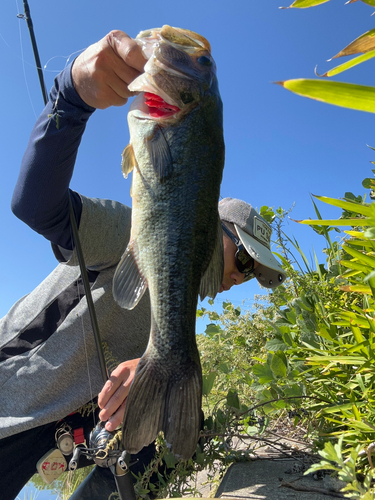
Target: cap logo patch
[[262, 231]]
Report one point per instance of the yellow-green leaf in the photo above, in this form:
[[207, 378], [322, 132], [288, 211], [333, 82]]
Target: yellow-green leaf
[[356, 412], [335, 222], [362, 44], [347, 205], [346, 95], [368, 244], [349, 64], [355, 234], [304, 4], [369, 2], [356, 288], [370, 261], [354, 265], [344, 360]]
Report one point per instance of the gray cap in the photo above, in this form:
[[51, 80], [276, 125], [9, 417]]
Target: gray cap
[[255, 235]]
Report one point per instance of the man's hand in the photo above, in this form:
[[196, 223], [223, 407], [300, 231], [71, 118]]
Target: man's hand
[[102, 73], [112, 397]]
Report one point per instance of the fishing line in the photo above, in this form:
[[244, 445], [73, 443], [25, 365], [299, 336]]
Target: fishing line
[[33, 65], [63, 57]]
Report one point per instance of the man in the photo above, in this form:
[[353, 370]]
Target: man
[[48, 359]]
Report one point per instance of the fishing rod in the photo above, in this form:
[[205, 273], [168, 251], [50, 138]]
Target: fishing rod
[[118, 461], [29, 22], [81, 260]]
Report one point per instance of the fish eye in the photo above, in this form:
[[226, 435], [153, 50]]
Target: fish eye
[[204, 61]]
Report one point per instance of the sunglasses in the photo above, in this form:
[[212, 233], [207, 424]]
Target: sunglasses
[[244, 262]]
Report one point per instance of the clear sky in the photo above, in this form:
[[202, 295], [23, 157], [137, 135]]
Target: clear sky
[[280, 148]]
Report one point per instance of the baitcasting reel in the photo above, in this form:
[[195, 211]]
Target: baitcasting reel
[[103, 450]]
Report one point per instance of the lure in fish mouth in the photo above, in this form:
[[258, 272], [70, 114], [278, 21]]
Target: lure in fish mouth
[[154, 106], [176, 154]]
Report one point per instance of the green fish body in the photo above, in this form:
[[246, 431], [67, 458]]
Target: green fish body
[[176, 153]]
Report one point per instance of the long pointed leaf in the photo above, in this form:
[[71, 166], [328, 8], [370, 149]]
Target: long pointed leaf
[[360, 256], [346, 95], [336, 222], [347, 205], [304, 4], [326, 234], [354, 265], [348, 65], [356, 288], [362, 44]]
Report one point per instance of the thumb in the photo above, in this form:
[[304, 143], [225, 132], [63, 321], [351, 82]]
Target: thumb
[[127, 49]]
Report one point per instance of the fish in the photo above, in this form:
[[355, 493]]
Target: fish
[[176, 156]]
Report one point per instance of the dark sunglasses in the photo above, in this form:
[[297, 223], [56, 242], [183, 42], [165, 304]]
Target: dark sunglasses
[[244, 262]]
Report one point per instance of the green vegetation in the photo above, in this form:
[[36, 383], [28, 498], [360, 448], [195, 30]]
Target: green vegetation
[[308, 351], [347, 95]]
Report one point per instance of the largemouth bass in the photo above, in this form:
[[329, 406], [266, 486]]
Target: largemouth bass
[[176, 153]]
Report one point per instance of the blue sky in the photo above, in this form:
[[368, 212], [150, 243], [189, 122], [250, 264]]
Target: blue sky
[[280, 148]]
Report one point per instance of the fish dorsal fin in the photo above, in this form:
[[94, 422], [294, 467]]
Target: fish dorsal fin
[[212, 278], [160, 154], [128, 284], [128, 160]]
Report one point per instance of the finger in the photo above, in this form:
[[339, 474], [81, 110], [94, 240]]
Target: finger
[[109, 388], [116, 419], [118, 91], [127, 49], [114, 403]]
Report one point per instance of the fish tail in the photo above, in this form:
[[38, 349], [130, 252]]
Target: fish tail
[[161, 400]]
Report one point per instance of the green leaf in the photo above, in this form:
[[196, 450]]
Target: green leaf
[[359, 208], [329, 453], [251, 430], [349, 64], [263, 372], [208, 383], [304, 4], [232, 399], [346, 95], [336, 222], [368, 183], [212, 329], [279, 365], [354, 265], [220, 416], [224, 368], [293, 391], [169, 459], [363, 258], [356, 288], [275, 345]]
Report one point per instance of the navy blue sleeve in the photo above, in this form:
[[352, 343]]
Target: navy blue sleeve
[[41, 195]]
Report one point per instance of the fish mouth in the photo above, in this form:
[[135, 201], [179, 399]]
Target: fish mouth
[[158, 107]]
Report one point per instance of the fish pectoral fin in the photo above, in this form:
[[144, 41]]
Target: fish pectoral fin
[[128, 284], [160, 154], [159, 401], [128, 160], [212, 278]]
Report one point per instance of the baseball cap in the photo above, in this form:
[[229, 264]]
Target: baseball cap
[[255, 235]]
